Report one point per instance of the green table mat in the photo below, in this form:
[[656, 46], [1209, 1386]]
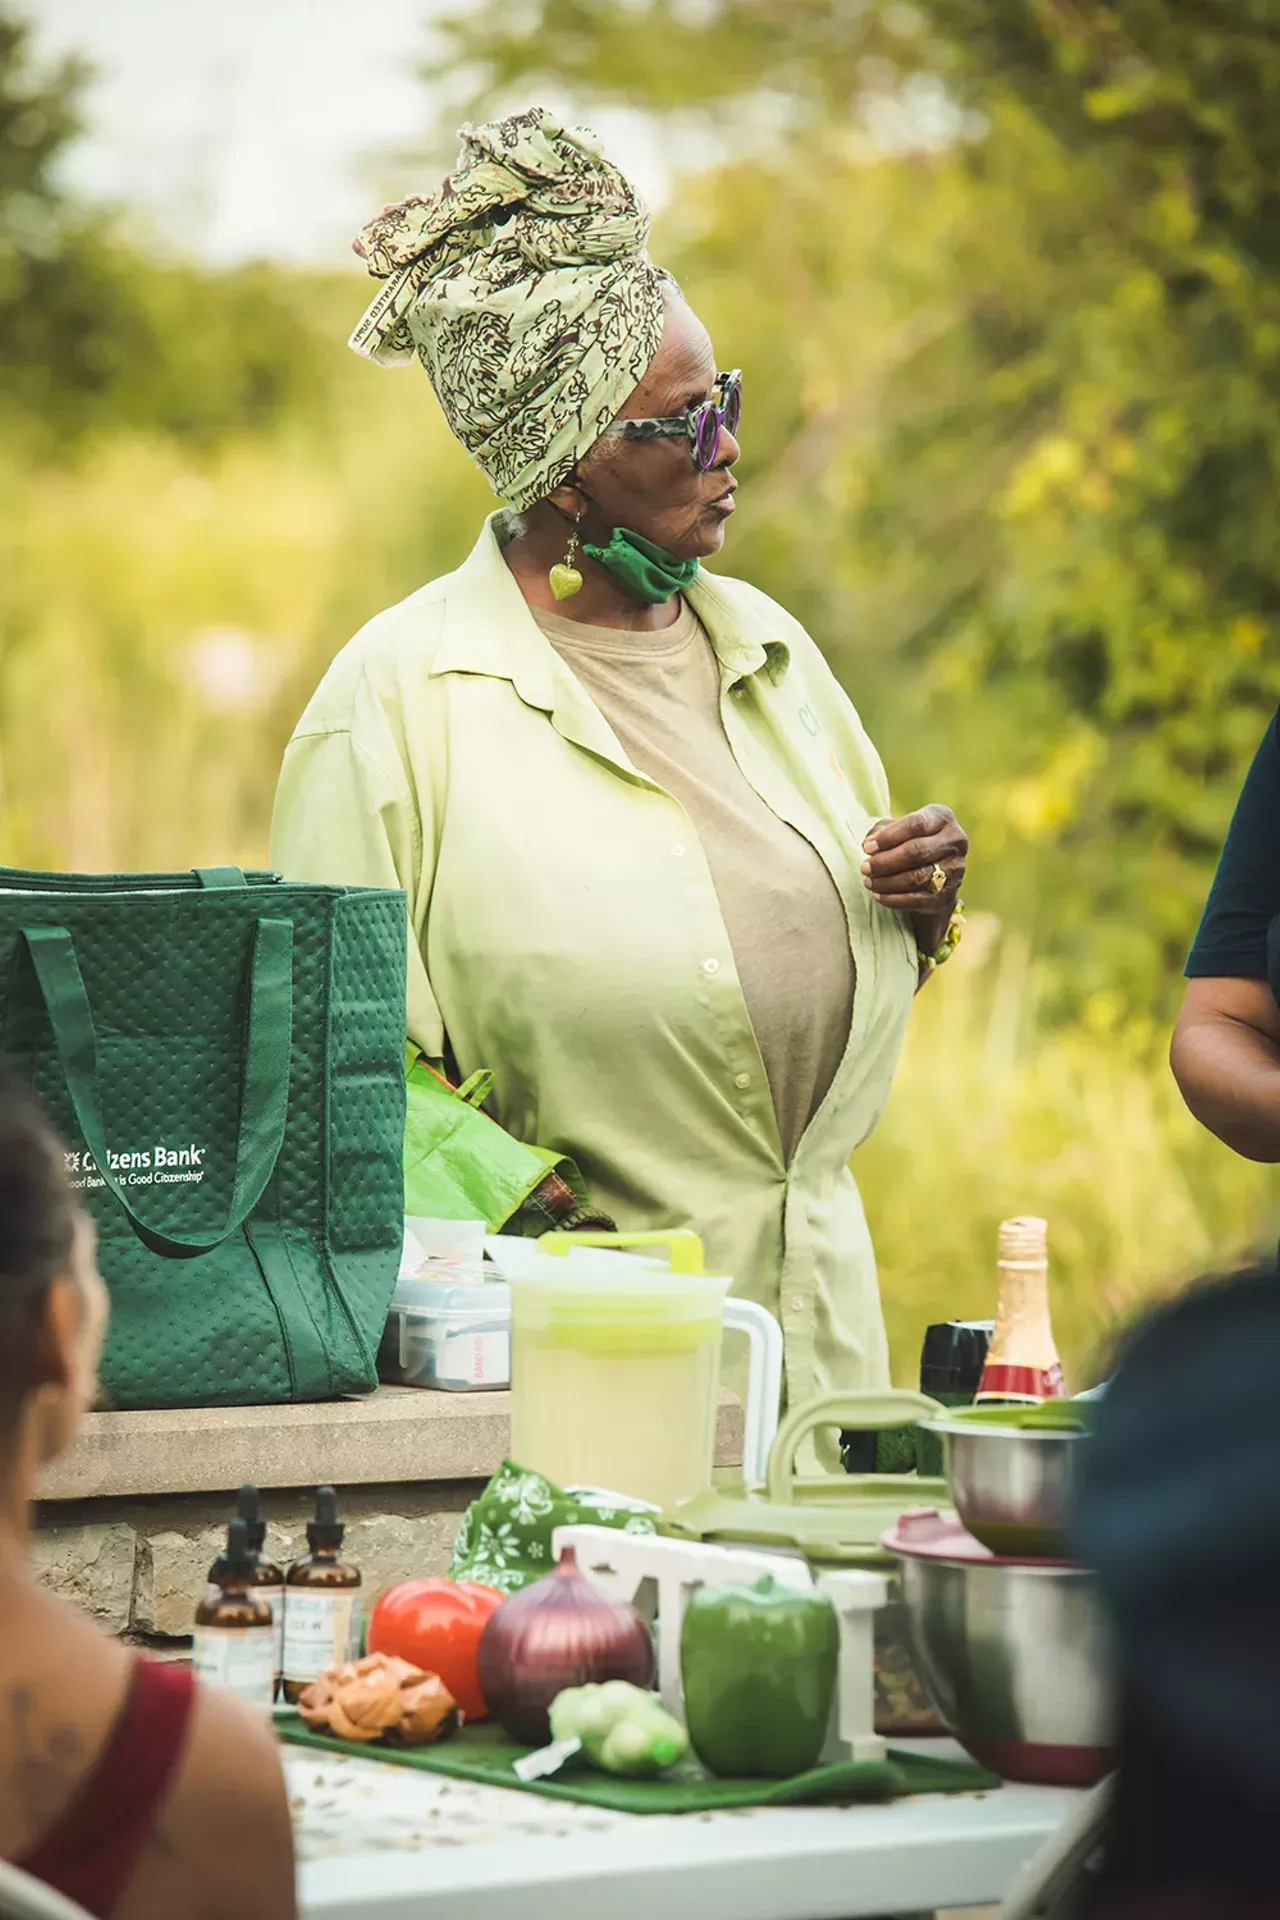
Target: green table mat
[[483, 1753]]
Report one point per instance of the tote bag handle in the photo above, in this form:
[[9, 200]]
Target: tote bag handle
[[264, 1082]]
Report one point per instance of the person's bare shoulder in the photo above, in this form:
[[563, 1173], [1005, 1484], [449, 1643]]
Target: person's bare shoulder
[[223, 1843]]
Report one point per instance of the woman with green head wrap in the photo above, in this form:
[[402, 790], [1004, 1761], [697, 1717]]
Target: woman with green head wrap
[[651, 878]]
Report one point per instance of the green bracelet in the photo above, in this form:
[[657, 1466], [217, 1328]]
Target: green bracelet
[[951, 939]]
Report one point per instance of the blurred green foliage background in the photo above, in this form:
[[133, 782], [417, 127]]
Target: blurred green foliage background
[[1004, 277]]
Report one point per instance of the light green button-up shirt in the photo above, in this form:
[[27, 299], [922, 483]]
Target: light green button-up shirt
[[567, 933]]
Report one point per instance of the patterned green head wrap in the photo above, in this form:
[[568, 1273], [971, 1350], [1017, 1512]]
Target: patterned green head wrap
[[524, 288]]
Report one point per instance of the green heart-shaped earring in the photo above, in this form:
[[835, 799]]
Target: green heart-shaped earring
[[564, 578]]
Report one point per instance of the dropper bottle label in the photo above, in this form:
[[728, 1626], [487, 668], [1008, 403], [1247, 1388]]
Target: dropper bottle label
[[240, 1660], [319, 1631]]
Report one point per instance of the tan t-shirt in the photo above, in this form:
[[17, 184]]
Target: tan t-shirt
[[660, 692]]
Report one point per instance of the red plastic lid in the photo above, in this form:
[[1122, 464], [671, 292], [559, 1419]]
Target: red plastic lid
[[925, 1534]]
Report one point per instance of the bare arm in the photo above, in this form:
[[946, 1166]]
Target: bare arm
[[223, 1845], [1226, 1059]]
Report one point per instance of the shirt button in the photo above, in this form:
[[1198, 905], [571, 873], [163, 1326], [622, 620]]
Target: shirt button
[[742, 1080], [678, 850], [711, 966], [739, 691], [798, 1303]]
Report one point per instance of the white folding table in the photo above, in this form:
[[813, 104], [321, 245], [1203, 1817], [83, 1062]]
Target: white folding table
[[378, 1842]]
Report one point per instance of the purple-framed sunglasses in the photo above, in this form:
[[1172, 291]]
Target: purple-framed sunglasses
[[702, 424]]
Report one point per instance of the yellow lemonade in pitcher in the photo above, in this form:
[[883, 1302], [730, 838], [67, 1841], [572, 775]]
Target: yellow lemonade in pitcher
[[639, 1423], [613, 1376]]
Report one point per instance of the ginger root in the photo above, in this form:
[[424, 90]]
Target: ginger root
[[380, 1698]]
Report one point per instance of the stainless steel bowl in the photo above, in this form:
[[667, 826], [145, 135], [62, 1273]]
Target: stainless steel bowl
[[1010, 1486], [1016, 1661]]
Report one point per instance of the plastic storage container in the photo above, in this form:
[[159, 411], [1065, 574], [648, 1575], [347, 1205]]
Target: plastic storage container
[[448, 1334]]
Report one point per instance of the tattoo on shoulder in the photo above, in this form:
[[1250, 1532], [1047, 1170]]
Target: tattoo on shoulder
[[48, 1767], [46, 1760]]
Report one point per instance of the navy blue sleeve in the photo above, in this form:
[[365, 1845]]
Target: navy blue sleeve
[[1245, 895]]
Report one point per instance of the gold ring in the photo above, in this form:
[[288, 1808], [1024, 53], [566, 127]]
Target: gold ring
[[937, 879]]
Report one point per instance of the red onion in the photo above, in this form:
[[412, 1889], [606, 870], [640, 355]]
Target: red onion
[[560, 1632]]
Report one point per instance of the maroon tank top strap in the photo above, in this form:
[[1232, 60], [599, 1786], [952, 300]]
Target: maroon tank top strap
[[91, 1854]]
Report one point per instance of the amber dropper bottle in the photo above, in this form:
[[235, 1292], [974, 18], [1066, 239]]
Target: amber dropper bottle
[[321, 1601], [268, 1578], [235, 1641]]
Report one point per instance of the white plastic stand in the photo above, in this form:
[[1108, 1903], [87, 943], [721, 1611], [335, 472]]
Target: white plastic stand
[[658, 1575], [855, 1595]]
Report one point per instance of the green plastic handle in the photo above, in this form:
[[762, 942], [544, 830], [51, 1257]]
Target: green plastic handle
[[889, 1407], [685, 1247]]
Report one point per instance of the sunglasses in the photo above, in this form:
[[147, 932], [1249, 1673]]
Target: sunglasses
[[702, 424]]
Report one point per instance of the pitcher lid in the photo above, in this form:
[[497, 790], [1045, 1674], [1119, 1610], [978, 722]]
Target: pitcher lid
[[595, 1284]]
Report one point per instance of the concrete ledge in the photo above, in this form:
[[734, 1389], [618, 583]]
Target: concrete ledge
[[396, 1434], [139, 1565]]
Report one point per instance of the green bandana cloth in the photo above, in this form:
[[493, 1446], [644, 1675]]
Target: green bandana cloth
[[648, 572], [524, 288], [505, 1537]]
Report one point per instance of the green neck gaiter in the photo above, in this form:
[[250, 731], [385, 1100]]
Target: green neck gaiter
[[648, 573]]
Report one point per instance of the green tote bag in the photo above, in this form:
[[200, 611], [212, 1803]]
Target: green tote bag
[[223, 1055]]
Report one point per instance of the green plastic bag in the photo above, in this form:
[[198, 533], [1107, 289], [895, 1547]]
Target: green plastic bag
[[460, 1165], [505, 1537]]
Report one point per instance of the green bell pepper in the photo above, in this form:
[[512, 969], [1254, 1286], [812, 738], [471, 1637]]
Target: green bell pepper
[[759, 1665]]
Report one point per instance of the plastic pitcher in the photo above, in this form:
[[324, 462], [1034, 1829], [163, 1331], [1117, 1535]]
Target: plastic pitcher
[[615, 1364]]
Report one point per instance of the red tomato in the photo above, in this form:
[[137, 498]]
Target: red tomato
[[436, 1624]]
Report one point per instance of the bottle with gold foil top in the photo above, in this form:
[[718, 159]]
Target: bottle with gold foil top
[[1022, 1363]]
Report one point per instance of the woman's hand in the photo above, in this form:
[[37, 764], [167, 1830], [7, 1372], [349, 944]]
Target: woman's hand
[[902, 855], [915, 866]]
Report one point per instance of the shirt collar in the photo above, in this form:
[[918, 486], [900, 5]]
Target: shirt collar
[[743, 642], [488, 628]]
